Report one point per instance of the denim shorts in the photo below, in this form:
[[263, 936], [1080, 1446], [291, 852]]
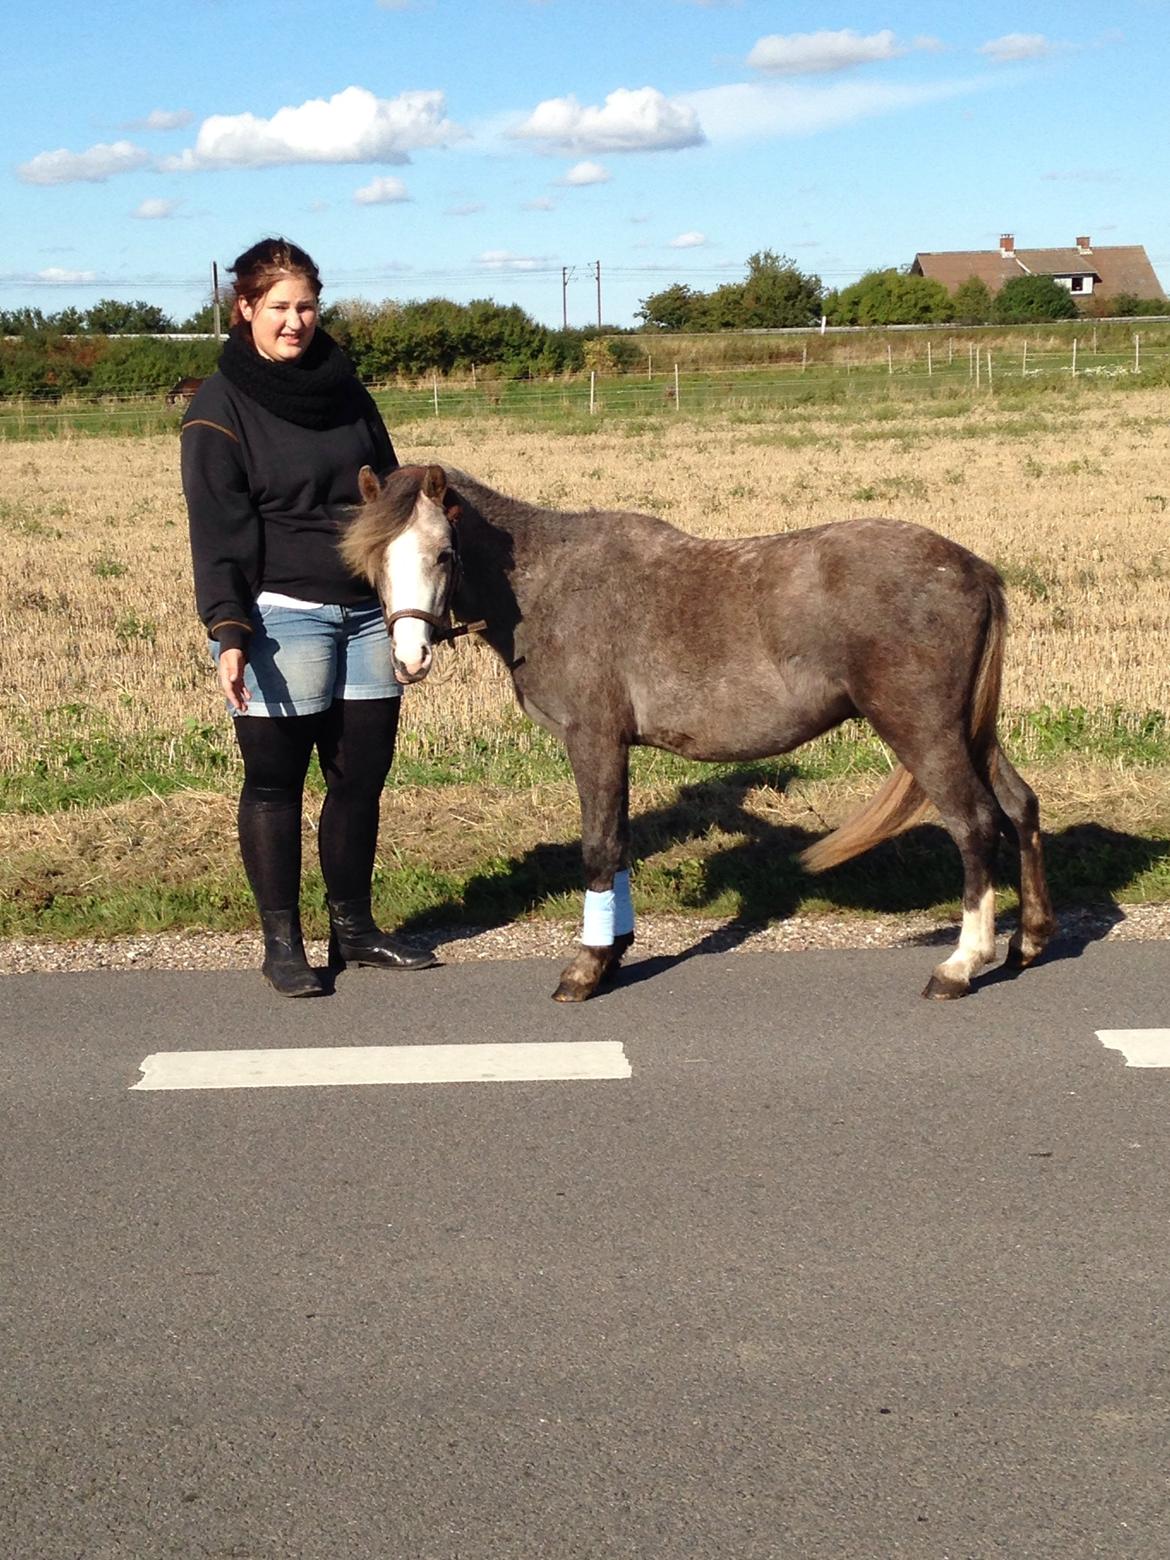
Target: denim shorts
[[302, 658]]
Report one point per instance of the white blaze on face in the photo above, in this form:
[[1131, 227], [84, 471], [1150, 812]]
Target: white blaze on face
[[415, 576]]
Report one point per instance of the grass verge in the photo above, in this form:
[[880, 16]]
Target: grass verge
[[722, 841]]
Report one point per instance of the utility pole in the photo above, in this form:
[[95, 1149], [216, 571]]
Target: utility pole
[[597, 272], [215, 300], [565, 296]]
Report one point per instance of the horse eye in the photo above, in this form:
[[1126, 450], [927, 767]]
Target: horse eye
[[445, 555]]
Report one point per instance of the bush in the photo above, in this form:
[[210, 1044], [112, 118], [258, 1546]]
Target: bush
[[773, 295], [972, 303], [1028, 300], [891, 297]]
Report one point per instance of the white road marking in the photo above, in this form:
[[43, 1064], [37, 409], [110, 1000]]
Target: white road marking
[[356, 1064], [1140, 1047]]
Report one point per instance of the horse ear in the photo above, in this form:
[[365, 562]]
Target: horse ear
[[434, 483], [368, 484]]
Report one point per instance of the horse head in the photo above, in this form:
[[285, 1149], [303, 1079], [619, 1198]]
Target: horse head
[[403, 542]]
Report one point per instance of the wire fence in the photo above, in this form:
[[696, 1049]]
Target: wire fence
[[910, 368]]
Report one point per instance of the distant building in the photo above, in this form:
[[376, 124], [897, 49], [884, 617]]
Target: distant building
[[1108, 272]]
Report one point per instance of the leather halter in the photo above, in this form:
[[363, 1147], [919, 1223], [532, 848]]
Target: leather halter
[[445, 632]]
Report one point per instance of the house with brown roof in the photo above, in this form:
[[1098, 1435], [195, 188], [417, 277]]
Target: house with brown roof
[[1107, 272]]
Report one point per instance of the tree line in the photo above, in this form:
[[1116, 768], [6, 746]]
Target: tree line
[[91, 352], [385, 341], [775, 294]]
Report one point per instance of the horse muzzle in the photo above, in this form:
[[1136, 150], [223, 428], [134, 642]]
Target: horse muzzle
[[408, 675]]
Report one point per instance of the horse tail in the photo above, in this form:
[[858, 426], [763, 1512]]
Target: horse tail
[[901, 802]]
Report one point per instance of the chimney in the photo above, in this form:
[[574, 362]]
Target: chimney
[[1084, 247], [1007, 246]]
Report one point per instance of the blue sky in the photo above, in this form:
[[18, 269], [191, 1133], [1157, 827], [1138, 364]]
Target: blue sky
[[477, 148]]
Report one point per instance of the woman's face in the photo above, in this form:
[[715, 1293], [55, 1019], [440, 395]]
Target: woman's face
[[283, 320]]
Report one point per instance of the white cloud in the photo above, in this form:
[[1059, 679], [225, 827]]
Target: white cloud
[[1017, 46], [762, 110], [690, 240], [820, 53], [381, 192], [56, 277], [352, 126], [504, 260], [583, 173], [638, 120], [540, 203], [155, 210], [162, 119], [94, 166], [467, 209]]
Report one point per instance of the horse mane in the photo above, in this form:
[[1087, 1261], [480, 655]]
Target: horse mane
[[380, 519]]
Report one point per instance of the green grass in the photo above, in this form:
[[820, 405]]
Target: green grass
[[757, 880], [83, 764]]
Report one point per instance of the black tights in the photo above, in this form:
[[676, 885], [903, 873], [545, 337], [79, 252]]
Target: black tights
[[354, 739]]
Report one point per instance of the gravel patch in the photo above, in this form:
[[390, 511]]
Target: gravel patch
[[657, 936]]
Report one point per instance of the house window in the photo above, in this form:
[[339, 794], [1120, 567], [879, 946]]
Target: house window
[[1078, 284]]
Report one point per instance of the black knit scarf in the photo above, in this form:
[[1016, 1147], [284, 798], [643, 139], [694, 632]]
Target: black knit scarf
[[317, 390]]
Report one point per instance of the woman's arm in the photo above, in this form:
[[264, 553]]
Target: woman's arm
[[224, 529]]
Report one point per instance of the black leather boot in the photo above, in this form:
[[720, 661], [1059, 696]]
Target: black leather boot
[[355, 938], [285, 967]]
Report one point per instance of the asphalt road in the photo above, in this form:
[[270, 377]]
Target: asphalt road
[[834, 1273]]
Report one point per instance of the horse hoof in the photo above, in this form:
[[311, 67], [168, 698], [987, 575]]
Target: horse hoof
[[568, 992], [945, 988], [583, 974]]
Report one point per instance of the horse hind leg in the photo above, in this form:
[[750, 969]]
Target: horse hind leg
[[971, 817], [1021, 822]]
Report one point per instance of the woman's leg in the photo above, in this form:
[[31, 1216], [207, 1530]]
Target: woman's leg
[[276, 752], [355, 744], [356, 747]]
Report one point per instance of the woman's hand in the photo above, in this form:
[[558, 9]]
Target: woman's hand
[[231, 679]]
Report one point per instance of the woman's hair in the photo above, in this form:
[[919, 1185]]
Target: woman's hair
[[262, 266]]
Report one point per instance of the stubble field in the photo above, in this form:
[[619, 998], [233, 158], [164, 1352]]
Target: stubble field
[[118, 773]]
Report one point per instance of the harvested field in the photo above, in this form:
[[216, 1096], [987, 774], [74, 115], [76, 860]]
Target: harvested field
[[101, 656], [1070, 498]]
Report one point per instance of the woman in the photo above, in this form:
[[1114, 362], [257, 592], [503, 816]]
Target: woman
[[271, 449]]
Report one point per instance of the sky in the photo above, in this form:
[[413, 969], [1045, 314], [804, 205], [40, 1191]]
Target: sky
[[514, 149]]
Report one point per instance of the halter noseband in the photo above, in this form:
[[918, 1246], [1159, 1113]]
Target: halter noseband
[[445, 632]]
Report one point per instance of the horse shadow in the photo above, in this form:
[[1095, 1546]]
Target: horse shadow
[[1088, 864]]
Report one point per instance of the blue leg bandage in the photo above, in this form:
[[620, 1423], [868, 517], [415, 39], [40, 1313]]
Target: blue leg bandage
[[609, 913]]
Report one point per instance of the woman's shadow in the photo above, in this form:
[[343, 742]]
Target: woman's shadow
[[758, 870]]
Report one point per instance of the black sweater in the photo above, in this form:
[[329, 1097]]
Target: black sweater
[[266, 499]]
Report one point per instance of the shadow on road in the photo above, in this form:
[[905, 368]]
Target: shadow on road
[[1088, 865]]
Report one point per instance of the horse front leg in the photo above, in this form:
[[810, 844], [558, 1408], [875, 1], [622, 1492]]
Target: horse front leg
[[601, 770]]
